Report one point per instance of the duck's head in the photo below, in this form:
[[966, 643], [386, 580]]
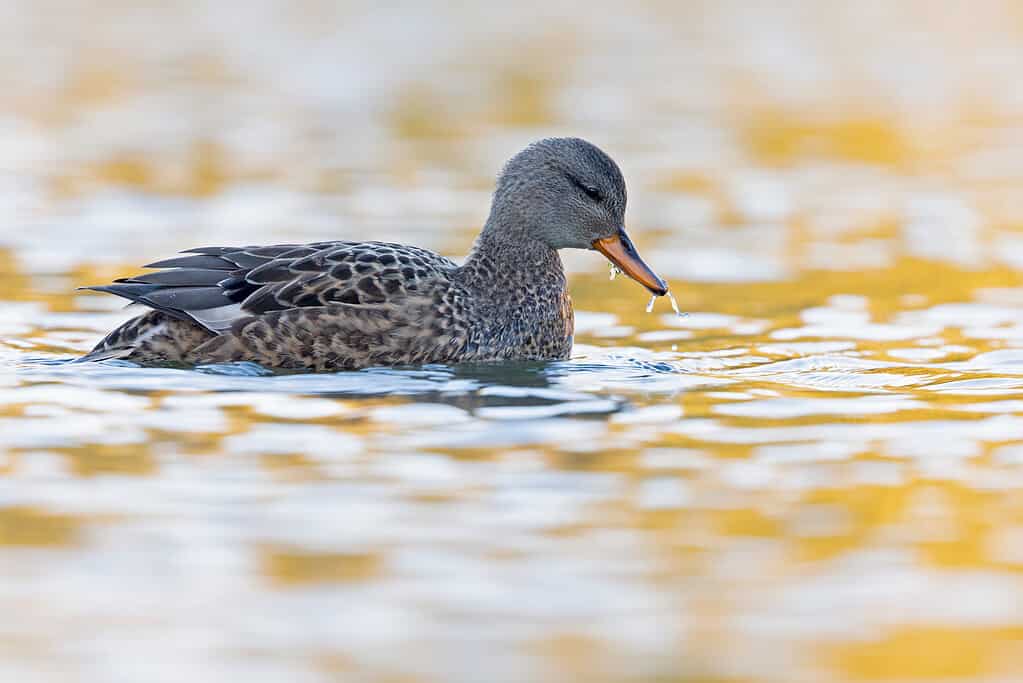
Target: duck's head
[[568, 194]]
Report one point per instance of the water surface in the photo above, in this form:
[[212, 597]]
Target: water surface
[[814, 476]]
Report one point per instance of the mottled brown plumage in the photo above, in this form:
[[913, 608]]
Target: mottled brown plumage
[[345, 305]]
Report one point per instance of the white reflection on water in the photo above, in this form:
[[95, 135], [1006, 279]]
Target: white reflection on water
[[490, 494], [813, 474]]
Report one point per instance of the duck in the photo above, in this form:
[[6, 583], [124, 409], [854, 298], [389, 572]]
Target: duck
[[348, 305]]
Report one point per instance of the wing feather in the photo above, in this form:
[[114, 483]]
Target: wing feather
[[204, 261], [182, 277], [218, 286]]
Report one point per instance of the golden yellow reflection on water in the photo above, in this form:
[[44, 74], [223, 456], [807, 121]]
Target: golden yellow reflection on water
[[814, 476], [22, 526]]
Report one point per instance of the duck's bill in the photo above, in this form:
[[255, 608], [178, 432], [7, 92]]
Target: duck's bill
[[619, 250]]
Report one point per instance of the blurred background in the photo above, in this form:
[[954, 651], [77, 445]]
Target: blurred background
[[816, 476]]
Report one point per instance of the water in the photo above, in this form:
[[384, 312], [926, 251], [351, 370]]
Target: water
[[814, 476], [674, 305]]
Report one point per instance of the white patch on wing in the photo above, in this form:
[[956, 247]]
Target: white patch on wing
[[149, 334], [218, 318]]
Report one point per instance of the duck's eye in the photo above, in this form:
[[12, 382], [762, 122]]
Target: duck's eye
[[591, 191]]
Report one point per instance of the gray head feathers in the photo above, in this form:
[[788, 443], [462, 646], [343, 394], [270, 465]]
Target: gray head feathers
[[564, 192]]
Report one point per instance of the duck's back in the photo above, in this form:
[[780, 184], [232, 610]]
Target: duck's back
[[326, 305]]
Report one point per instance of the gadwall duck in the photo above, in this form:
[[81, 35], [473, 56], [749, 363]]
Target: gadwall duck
[[346, 305]]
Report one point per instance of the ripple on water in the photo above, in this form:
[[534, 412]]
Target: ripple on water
[[816, 475], [455, 495]]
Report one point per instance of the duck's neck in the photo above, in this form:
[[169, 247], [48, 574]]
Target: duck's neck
[[505, 266]]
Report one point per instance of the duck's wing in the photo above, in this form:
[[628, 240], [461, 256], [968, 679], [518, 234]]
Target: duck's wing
[[216, 286]]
